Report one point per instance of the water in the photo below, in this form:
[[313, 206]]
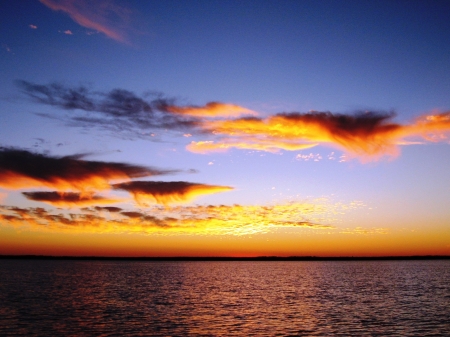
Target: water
[[119, 298]]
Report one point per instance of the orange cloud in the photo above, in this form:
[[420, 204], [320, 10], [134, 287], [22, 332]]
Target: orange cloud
[[365, 134], [432, 127], [69, 199], [212, 109], [165, 193], [24, 169], [95, 15], [361, 134], [112, 209]]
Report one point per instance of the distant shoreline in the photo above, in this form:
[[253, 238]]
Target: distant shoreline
[[226, 258]]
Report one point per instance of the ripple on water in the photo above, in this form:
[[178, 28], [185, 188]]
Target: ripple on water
[[113, 298]]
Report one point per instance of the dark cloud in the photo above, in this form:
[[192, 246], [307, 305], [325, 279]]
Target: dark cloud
[[363, 124], [145, 218], [163, 192], [67, 198], [116, 110], [366, 132], [111, 209], [132, 214], [24, 169], [42, 218]]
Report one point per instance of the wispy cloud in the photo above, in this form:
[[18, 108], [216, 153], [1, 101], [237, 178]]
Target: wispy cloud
[[103, 16], [25, 169], [162, 192], [196, 219], [117, 110], [121, 110]]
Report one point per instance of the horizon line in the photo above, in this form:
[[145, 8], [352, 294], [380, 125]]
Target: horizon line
[[224, 258]]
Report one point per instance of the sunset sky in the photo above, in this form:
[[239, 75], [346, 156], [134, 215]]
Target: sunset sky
[[225, 128]]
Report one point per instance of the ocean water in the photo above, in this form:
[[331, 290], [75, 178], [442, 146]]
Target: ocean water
[[245, 298]]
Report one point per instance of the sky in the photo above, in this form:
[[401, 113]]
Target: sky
[[224, 128]]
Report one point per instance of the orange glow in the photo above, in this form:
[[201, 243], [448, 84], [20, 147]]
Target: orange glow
[[212, 109], [300, 242], [432, 127]]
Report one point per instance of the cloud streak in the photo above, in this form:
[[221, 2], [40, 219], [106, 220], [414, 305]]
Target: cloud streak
[[103, 16], [165, 193], [212, 109], [69, 199], [24, 169], [246, 143]]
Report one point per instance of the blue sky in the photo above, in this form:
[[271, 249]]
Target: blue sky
[[271, 57]]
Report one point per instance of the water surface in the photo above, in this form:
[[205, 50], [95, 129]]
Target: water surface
[[245, 298]]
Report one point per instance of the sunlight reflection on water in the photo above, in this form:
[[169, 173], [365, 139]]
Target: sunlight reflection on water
[[85, 298]]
